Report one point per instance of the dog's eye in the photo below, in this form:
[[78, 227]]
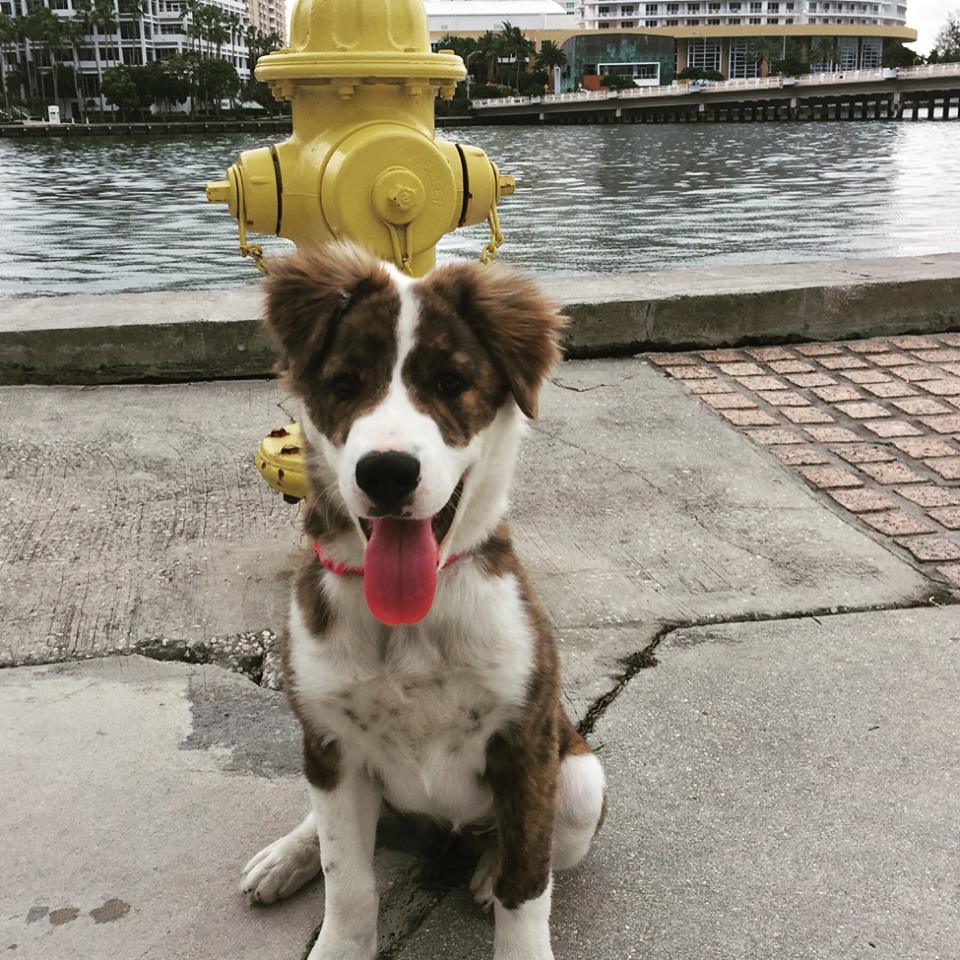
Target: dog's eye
[[345, 386], [451, 384]]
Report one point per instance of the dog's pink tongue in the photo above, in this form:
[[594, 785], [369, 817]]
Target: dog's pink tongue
[[400, 570]]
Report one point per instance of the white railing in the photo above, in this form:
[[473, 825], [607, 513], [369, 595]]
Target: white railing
[[719, 86]]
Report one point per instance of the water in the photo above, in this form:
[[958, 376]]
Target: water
[[109, 215]]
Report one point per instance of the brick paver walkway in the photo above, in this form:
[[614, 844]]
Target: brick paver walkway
[[871, 424]]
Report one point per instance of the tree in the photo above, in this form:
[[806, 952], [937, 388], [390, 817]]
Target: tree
[[790, 67], [616, 81], [763, 50], [119, 88], [946, 48], [178, 79], [514, 44], [44, 30], [549, 56], [489, 47], [698, 73], [825, 52], [74, 32], [8, 37], [218, 80], [895, 54]]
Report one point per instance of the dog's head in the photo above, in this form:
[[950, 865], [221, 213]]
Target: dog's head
[[414, 394]]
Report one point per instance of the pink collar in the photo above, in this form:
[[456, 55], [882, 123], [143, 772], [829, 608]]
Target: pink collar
[[341, 568]]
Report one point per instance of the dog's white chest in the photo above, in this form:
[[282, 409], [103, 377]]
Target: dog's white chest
[[425, 739], [418, 708]]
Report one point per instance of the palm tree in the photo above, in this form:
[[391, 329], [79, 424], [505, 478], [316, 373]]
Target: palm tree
[[8, 35], [489, 50], [216, 24], [549, 58], [763, 50], [234, 25], [825, 51], [74, 31], [44, 30], [515, 44]]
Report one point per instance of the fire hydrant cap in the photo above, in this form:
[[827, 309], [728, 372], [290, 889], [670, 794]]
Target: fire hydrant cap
[[387, 40]]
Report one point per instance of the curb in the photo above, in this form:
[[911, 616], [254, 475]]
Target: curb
[[180, 336]]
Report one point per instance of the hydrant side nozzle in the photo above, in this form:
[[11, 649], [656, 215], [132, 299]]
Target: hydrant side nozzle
[[218, 191], [506, 185]]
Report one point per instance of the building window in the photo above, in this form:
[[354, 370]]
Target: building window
[[693, 23], [735, 7], [627, 11], [773, 19], [756, 7], [603, 11], [733, 20], [743, 60], [713, 21], [651, 23], [871, 53], [604, 25], [693, 8], [849, 53], [773, 8], [627, 24], [755, 20], [704, 54], [653, 8], [671, 23], [673, 8], [713, 8]]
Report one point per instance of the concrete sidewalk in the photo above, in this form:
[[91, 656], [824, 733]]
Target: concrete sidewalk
[[778, 788], [782, 789]]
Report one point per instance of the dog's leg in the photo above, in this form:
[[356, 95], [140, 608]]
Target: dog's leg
[[346, 817], [581, 805], [283, 867], [523, 778]]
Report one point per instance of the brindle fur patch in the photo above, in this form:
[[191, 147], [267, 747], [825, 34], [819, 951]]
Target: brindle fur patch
[[509, 317], [321, 756], [445, 345], [523, 761], [333, 314]]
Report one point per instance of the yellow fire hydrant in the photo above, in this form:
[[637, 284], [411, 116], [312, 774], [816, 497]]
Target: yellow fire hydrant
[[363, 162]]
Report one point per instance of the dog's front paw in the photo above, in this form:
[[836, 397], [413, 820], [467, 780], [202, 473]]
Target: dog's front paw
[[481, 885], [333, 947], [282, 868]]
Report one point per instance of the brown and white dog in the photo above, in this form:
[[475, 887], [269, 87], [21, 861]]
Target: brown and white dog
[[421, 668]]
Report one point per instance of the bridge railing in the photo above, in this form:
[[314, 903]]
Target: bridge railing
[[740, 84]]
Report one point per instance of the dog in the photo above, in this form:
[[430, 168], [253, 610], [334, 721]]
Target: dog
[[421, 668]]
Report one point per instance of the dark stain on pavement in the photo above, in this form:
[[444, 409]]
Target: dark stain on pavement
[[64, 915], [37, 913], [254, 724], [112, 909]]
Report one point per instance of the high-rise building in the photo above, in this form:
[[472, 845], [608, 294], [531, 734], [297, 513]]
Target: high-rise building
[[604, 14], [161, 29], [269, 16]]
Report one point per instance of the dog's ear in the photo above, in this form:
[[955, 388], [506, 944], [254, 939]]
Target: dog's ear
[[307, 294], [513, 319]]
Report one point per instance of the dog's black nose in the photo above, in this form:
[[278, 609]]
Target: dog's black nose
[[388, 478]]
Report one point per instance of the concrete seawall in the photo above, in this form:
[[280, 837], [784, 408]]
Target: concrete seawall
[[215, 334]]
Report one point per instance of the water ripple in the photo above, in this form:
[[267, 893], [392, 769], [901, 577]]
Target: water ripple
[[104, 215]]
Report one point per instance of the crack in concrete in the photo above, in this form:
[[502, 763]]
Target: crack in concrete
[[645, 659]]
